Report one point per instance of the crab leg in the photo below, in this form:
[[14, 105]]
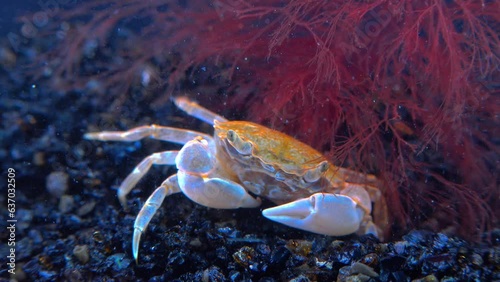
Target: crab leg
[[322, 213], [197, 111], [168, 187], [364, 195], [161, 158], [164, 133]]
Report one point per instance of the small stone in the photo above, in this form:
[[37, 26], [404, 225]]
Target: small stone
[[221, 253], [66, 203], [212, 274], [359, 268], [323, 264], [98, 237], [86, 208], [24, 218], [263, 249], [477, 260], [195, 242], [81, 252], [300, 247], [428, 278], [118, 262], [440, 242], [57, 183], [372, 260], [300, 278], [177, 258], [400, 247], [244, 256], [19, 275], [337, 245], [48, 275], [73, 275], [35, 236], [39, 158], [279, 256], [25, 247]]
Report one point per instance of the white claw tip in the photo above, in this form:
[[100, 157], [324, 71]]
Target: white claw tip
[[135, 243], [88, 136]]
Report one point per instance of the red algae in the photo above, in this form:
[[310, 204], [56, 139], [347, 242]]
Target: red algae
[[401, 89]]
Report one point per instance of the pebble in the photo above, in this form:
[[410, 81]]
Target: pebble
[[300, 247], [300, 278], [86, 208], [66, 203], [81, 252], [244, 256], [212, 274], [57, 183], [39, 159], [73, 275], [477, 260], [118, 262], [24, 218], [428, 278], [196, 242], [359, 268]]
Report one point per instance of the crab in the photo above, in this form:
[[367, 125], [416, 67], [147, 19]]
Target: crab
[[244, 162]]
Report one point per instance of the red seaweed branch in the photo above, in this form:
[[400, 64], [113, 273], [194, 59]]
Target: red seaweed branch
[[402, 89]]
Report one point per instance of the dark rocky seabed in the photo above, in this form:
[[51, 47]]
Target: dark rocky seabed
[[71, 227]]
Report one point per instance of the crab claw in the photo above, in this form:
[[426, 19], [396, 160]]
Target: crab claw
[[322, 213]]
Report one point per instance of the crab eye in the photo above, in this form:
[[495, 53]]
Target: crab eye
[[231, 135], [314, 174], [243, 147]]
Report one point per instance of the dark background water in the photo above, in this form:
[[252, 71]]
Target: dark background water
[[11, 10], [15, 14]]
